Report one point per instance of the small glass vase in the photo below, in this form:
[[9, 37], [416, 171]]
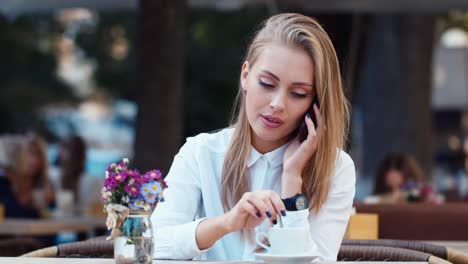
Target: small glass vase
[[135, 242]]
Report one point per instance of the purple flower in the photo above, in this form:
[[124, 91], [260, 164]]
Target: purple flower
[[120, 177], [111, 167], [117, 167], [132, 190], [121, 166], [110, 183], [137, 177], [153, 175]]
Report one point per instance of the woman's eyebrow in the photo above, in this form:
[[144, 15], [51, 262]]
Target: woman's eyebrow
[[294, 83], [302, 84], [271, 74]]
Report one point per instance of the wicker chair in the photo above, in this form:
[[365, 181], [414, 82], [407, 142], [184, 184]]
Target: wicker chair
[[92, 248], [351, 250], [442, 252], [379, 253]]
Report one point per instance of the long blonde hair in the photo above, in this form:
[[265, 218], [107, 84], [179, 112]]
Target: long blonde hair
[[304, 32], [38, 147], [13, 161]]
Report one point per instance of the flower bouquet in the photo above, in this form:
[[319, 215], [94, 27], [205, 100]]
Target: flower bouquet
[[416, 191], [129, 198]]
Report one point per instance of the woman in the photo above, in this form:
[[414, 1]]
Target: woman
[[395, 172], [74, 185], [15, 186], [73, 165], [226, 185], [38, 172]]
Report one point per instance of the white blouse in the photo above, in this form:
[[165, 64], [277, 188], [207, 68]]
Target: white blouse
[[193, 194]]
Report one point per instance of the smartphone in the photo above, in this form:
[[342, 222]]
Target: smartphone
[[303, 128]]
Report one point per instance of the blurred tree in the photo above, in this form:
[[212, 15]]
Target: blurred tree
[[456, 19], [215, 50], [214, 47], [27, 71], [112, 45], [395, 92], [159, 124]]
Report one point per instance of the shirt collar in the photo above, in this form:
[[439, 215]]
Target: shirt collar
[[274, 157]]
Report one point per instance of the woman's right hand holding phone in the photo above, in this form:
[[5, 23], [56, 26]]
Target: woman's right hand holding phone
[[299, 153]]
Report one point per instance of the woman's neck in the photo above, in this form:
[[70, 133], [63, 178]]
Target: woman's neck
[[263, 146]]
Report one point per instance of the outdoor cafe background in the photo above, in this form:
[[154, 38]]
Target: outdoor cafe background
[[96, 70]]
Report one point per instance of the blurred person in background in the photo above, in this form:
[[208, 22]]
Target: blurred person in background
[[73, 165], [38, 173], [399, 178], [73, 184], [15, 185], [451, 175]]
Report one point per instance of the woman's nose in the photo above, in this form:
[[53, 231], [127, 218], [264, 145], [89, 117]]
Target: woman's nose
[[278, 101]]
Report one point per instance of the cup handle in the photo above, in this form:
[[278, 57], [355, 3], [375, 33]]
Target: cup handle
[[259, 237]]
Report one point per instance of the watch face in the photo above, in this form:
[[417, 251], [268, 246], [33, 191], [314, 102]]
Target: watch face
[[301, 203]]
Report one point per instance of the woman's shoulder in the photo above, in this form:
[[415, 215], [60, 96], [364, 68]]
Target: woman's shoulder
[[345, 173], [216, 141], [343, 159]]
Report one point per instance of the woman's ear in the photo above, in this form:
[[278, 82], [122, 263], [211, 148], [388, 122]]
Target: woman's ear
[[244, 74]]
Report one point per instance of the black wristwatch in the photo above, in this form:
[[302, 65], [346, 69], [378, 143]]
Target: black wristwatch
[[296, 203]]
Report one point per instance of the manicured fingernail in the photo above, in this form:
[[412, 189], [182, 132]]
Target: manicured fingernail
[[283, 212], [275, 222], [259, 215], [268, 213], [308, 115]]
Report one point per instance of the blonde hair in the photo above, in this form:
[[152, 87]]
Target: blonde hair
[[38, 146], [294, 30], [13, 160]]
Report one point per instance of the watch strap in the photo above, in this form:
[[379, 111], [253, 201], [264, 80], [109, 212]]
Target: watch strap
[[290, 203]]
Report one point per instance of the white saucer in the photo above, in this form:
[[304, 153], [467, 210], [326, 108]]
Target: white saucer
[[295, 259]]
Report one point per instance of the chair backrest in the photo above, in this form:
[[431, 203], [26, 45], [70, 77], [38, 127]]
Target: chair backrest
[[379, 253], [89, 248], [92, 248], [436, 250]]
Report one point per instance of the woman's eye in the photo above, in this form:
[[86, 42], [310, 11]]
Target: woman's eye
[[264, 84], [298, 95]]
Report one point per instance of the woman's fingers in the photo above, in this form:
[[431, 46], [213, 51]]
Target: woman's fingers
[[251, 209], [276, 203], [268, 203], [310, 127], [314, 134], [264, 207], [319, 120]]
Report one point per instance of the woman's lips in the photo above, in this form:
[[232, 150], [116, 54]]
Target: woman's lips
[[271, 121]]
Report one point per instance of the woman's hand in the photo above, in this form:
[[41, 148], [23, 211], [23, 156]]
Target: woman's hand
[[253, 208], [298, 154]]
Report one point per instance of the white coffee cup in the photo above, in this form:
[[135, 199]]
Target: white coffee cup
[[284, 241]]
